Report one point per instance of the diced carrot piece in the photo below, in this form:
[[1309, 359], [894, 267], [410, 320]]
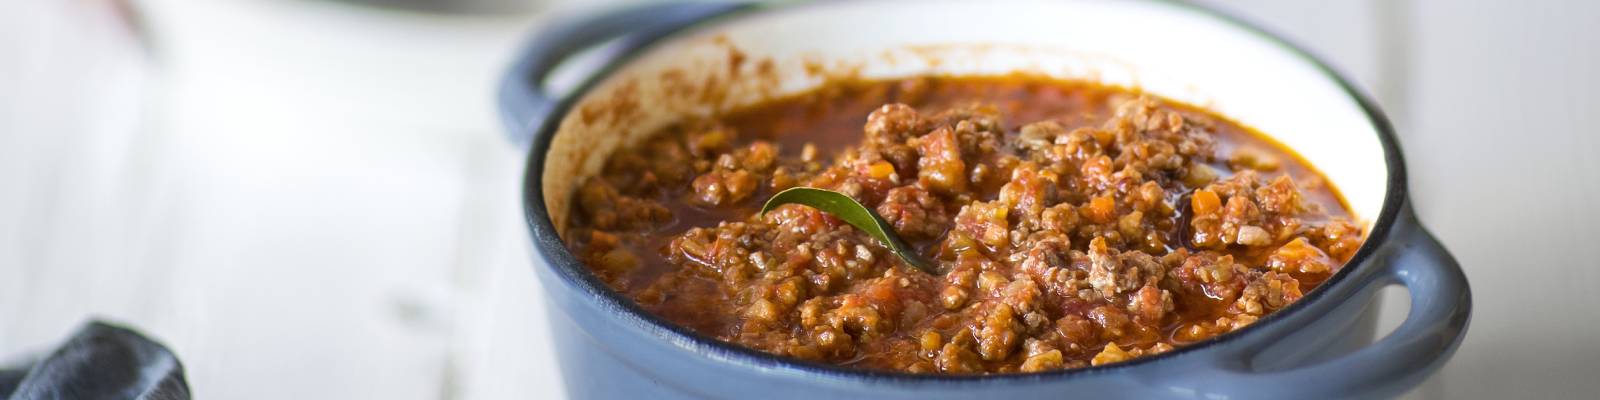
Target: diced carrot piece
[[880, 170], [1205, 202]]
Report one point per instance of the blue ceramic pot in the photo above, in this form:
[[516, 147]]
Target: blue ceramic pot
[[1319, 347]]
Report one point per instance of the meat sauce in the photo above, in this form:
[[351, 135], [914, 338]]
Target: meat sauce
[[1073, 224]]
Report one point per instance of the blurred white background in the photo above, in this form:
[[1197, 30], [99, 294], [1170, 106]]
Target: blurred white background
[[311, 199]]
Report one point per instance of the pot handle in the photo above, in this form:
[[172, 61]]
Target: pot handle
[[526, 102], [1441, 306]]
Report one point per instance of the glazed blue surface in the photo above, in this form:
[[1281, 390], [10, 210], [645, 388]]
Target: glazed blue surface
[[1317, 347]]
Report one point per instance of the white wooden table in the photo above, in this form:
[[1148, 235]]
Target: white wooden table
[[312, 200]]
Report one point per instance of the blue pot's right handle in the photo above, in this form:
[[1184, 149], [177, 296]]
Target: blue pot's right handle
[[1441, 306], [525, 102]]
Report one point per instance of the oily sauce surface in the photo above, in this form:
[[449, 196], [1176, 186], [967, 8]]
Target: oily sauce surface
[[1074, 224]]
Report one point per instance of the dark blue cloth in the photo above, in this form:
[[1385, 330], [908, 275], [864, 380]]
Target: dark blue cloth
[[100, 361]]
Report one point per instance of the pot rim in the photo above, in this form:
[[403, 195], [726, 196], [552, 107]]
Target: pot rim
[[574, 273]]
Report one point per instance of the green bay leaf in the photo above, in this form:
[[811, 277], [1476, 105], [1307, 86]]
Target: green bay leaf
[[857, 215]]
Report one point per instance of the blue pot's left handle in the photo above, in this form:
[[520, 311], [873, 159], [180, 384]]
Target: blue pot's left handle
[[525, 102]]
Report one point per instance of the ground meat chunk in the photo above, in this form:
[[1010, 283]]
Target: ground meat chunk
[[914, 212], [1211, 276], [957, 356], [1029, 191], [721, 187], [1000, 333], [1059, 218], [1280, 197], [1111, 354], [1076, 331], [1299, 256], [1111, 273], [986, 223], [1047, 255], [892, 123], [941, 168], [1040, 135], [1339, 237], [1151, 304], [1113, 322], [604, 208], [1043, 361]]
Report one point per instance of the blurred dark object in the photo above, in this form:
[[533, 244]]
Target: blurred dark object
[[100, 361], [133, 20], [458, 6]]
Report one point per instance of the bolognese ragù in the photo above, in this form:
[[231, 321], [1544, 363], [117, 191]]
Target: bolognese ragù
[[1072, 224]]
